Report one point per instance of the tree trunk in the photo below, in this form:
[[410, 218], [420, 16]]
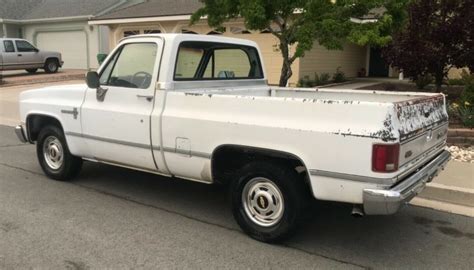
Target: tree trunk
[[286, 71], [439, 76]]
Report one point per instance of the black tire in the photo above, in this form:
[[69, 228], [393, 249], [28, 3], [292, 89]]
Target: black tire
[[51, 66], [31, 70], [292, 189], [69, 167]]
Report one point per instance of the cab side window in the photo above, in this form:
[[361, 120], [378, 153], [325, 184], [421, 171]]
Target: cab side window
[[24, 46], [8, 44], [131, 67]]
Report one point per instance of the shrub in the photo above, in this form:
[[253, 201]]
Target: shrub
[[322, 79], [339, 76], [464, 110], [455, 82], [466, 114], [422, 81]]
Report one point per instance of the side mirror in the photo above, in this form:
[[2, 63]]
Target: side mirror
[[92, 79], [36, 50]]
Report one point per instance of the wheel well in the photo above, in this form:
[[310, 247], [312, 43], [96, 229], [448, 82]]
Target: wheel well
[[227, 159], [51, 58], [36, 122]]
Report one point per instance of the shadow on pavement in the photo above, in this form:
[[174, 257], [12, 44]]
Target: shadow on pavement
[[415, 234]]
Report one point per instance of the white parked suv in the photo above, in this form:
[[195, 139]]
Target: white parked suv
[[20, 54], [199, 108]]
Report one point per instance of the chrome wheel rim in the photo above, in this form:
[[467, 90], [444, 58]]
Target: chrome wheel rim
[[52, 66], [53, 152], [263, 201]]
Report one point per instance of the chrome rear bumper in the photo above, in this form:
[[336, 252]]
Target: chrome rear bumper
[[388, 201], [21, 134]]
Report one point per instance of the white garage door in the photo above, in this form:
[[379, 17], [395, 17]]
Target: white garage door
[[72, 46]]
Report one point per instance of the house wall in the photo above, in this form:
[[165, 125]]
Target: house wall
[[31, 31], [12, 30], [455, 73], [321, 60]]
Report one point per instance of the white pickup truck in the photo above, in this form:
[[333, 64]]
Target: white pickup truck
[[199, 108]]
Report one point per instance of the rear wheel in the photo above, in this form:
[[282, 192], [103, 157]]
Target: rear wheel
[[51, 66], [32, 70], [54, 156], [268, 200]]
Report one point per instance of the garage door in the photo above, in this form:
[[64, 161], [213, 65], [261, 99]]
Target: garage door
[[72, 46]]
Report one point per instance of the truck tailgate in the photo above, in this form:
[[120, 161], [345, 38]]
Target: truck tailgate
[[423, 125]]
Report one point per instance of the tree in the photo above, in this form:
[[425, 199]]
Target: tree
[[301, 22], [439, 35]]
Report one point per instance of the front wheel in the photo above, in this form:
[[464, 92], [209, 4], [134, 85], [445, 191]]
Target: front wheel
[[54, 156], [268, 200], [51, 66]]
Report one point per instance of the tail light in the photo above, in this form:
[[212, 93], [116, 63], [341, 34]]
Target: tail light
[[385, 157]]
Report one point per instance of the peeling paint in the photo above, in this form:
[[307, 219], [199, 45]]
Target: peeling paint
[[420, 114]]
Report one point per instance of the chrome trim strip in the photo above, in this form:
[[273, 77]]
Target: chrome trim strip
[[139, 145], [356, 178]]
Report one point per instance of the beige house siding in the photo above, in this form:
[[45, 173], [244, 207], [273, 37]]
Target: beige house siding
[[455, 73], [321, 60]]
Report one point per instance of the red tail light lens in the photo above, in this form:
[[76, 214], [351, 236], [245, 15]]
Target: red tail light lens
[[385, 157]]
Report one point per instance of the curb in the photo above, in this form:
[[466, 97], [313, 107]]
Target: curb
[[461, 136], [448, 194]]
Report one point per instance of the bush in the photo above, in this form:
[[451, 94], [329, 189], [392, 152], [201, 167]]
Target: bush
[[322, 79], [466, 114], [339, 76], [422, 81], [455, 82], [464, 110]]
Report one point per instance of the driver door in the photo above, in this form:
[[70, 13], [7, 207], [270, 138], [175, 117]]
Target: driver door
[[116, 117]]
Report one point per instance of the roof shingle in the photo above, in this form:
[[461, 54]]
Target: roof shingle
[[153, 8], [41, 9]]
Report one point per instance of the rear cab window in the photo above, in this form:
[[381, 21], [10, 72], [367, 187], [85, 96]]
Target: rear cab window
[[8, 46], [197, 60]]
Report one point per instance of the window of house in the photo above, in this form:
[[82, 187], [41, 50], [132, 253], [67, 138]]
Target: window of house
[[131, 33], [132, 66], [216, 61], [152, 31], [24, 46], [8, 44]]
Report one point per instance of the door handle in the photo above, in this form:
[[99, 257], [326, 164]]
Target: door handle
[[147, 97], [20, 54]]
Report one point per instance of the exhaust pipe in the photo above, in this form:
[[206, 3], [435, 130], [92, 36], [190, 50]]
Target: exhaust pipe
[[357, 211]]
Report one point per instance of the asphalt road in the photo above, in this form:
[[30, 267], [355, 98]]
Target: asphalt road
[[117, 218]]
